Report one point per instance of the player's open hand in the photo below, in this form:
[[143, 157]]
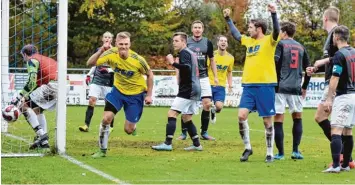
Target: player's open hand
[[226, 12], [328, 106], [271, 7], [170, 59], [148, 100]]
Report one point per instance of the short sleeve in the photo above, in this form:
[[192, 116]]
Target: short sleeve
[[337, 64]]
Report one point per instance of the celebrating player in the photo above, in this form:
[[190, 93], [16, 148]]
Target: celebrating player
[[39, 93], [203, 49], [259, 78], [290, 57], [224, 62], [342, 83], [187, 99], [101, 84], [130, 89]]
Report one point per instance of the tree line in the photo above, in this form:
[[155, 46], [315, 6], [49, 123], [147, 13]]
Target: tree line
[[152, 23]]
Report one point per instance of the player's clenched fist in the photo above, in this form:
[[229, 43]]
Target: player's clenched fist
[[170, 59], [271, 7], [226, 12]]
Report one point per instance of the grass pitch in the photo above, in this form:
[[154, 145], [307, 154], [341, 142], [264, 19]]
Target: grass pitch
[[131, 159]]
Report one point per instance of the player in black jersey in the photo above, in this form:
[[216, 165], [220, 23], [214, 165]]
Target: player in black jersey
[[330, 22], [188, 97], [203, 48], [100, 85], [291, 59], [342, 107]]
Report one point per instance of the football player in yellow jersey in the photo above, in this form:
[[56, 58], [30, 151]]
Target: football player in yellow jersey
[[130, 89], [224, 62], [259, 78]]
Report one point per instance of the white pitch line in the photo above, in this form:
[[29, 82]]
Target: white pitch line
[[94, 170], [74, 161], [16, 137]]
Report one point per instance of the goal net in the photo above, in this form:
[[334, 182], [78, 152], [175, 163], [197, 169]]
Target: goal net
[[33, 22]]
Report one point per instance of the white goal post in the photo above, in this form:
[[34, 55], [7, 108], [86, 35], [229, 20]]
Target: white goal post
[[59, 132]]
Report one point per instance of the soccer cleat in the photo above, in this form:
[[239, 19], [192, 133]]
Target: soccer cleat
[[163, 147], [98, 154], [134, 133], [84, 128], [205, 136], [341, 161], [182, 137], [213, 114], [38, 142], [246, 154], [296, 155], [279, 157], [193, 148], [269, 159], [346, 169], [332, 170]]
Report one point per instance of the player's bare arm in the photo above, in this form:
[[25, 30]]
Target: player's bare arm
[[235, 32], [93, 59], [229, 79], [214, 70], [150, 77], [332, 88]]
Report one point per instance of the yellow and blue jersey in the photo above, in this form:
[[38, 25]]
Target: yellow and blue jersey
[[259, 67], [128, 79], [224, 65]]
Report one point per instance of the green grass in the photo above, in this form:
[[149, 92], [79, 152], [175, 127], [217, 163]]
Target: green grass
[[130, 158]]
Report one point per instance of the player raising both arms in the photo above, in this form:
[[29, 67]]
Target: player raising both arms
[[130, 89], [259, 78], [100, 85], [224, 63]]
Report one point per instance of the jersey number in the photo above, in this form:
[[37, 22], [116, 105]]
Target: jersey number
[[294, 59], [352, 64]]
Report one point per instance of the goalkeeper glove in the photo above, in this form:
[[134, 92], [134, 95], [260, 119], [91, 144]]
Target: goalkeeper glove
[[88, 79], [16, 100], [103, 70]]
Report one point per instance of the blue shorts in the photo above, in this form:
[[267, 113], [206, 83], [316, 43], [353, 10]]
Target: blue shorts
[[132, 104], [218, 93], [259, 98]]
